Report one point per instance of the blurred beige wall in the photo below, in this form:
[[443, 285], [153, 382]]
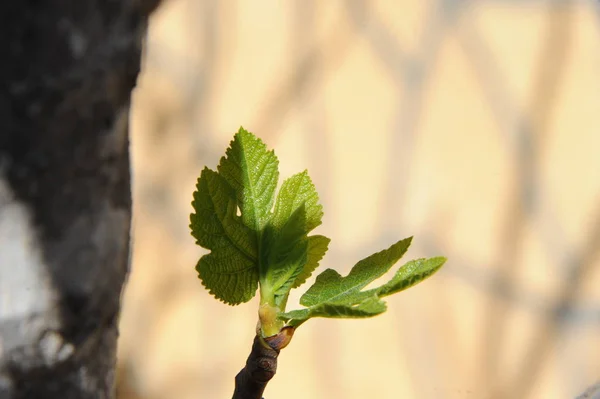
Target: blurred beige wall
[[472, 125]]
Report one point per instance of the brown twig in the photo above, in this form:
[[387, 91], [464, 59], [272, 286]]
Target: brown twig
[[251, 381]]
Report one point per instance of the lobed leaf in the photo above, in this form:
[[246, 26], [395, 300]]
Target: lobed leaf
[[297, 191], [230, 271], [256, 245], [296, 255], [287, 253], [331, 287], [272, 247], [317, 246], [253, 172], [411, 274], [335, 296], [228, 275], [246, 178]]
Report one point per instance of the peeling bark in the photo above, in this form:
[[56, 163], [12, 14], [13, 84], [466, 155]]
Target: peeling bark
[[65, 200]]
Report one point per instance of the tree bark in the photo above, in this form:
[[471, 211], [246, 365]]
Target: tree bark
[[261, 365], [65, 202], [592, 392]]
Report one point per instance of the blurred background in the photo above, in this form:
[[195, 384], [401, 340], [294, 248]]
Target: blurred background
[[472, 125]]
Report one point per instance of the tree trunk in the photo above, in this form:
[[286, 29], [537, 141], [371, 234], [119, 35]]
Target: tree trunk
[[65, 203]]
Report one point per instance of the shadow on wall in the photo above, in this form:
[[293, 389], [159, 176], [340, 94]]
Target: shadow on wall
[[467, 126]]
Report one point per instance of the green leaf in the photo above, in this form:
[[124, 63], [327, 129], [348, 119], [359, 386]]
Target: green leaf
[[228, 275], [411, 274], [335, 296], [287, 254], [297, 212], [296, 191], [369, 307], [317, 246], [230, 271], [252, 172], [255, 238], [331, 287], [246, 180], [250, 243]]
